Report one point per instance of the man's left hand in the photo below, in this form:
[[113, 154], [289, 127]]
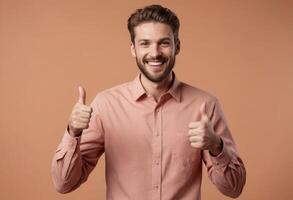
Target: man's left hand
[[202, 135]]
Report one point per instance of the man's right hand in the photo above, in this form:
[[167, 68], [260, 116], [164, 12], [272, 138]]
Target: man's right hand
[[80, 115]]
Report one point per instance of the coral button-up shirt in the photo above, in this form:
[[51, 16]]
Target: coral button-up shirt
[[146, 144]]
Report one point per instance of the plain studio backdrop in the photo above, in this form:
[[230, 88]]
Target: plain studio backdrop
[[240, 51]]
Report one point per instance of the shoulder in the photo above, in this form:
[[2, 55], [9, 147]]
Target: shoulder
[[195, 93], [192, 95], [114, 93]]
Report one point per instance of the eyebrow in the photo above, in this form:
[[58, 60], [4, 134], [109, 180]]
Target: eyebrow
[[162, 39]]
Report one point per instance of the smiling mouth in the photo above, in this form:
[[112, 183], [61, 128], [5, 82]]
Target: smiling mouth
[[155, 63]]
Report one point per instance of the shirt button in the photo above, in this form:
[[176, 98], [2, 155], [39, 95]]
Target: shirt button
[[157, 162], [156, 187]]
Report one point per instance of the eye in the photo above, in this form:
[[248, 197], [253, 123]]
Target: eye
[[165, 43], [143, 44]]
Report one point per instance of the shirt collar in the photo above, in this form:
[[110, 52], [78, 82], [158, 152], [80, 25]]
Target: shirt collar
[[139, 91]]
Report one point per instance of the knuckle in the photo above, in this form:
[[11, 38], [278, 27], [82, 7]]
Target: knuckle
[[88, 108], [202, 139], [84, 125], [75, 123], [76, 106], [75, 111], [74, 119], [72, 124], [189, 131], [193, 145]]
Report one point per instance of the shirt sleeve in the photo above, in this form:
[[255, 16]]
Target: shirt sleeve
[[76, 157], [226, 170]]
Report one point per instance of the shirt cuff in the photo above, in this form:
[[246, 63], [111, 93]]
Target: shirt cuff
[[70, 141], [223, 159]]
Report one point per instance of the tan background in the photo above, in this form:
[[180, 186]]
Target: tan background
[[241, 51]]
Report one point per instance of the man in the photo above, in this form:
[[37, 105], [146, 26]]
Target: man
[[155, 131]]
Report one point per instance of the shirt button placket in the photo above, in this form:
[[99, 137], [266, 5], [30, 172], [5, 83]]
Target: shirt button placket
[[156, 168]]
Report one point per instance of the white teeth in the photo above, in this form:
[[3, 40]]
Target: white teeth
[[155, 63]]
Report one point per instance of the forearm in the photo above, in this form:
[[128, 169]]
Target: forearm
[[226, 170], [228, 173], [67, 165]]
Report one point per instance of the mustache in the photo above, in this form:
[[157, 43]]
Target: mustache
[[157, 58]]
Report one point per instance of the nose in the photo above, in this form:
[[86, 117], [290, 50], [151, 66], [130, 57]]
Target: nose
[[155, 51]]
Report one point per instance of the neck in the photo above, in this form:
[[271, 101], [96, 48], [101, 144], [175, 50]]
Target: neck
[[156, 89]]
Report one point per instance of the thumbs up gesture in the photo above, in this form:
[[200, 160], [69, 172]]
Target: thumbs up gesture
[[202, 135], [80, 115]]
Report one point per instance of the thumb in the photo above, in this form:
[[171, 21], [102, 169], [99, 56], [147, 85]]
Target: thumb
[[82, 95], [204, 116]]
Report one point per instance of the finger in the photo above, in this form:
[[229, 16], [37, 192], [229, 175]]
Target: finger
[[195, 124], [80, 114], [79, 110], [82, 95], [85, 108], [203, 113], [79, 125], [194, 132], [84, 119], [198, 145], [195, 139]]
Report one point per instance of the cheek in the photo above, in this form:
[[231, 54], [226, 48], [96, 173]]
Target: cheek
[[170, 52], [139, 53]]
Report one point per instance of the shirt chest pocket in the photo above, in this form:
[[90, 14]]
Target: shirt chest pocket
[[186, 158]]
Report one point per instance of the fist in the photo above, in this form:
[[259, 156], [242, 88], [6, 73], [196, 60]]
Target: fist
[[80, 115], [201, 134]]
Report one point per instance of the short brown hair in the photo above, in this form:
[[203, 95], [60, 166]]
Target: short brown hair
[[155, 13]]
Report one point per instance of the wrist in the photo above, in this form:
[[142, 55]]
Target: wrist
[[72, 133], [217, 148]]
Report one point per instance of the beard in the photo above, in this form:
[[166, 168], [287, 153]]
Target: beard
[[164, 75]]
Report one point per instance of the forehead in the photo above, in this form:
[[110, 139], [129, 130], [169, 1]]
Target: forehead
[[153, 31]]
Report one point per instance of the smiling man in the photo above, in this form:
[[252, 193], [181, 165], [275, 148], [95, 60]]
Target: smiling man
[[154, 47], [155, 131]]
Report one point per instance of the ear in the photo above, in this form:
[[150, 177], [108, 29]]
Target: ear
[[132, 49], [177, 46]]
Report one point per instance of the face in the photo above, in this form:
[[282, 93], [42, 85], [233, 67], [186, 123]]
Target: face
[[155, 50]]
